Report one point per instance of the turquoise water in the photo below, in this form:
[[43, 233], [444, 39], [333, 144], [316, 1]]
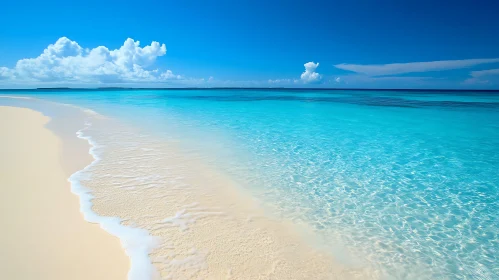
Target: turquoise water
[[405, 181]]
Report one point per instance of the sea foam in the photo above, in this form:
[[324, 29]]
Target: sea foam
[[15, 97], [137, 243]]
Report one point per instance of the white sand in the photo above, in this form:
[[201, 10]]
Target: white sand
[[208, 227], [44, 236]]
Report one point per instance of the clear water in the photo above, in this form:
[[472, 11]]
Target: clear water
[[406, 181]]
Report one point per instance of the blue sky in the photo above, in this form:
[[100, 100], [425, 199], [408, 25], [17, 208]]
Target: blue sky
[[374, 44]]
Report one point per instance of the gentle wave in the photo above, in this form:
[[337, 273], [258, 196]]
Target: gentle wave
[[15, 97], [412, 190], [136, 242]]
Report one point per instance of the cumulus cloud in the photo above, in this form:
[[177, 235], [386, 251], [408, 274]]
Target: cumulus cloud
[[67, 61], [5, 73], [310, 76], [412, 67], [337, 79]]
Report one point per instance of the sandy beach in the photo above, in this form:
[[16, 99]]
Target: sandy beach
[[178, 217], [44, 236]]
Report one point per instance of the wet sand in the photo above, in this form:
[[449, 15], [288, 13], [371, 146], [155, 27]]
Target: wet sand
[[44, 236], [205, 225], [208, 227]]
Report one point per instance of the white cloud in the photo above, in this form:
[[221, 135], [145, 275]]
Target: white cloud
[[483, 73], [483, 77], [169, 75], [66, 61], [310, 76], [413, 67], [280, 81], [337, 79], [364, 81], [5, 73], [307, 77]]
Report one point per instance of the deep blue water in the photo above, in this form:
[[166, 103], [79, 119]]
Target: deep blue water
[[405, 180]]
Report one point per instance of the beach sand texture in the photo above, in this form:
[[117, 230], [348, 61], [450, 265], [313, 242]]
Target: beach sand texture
[[206, 227], [44, 236]]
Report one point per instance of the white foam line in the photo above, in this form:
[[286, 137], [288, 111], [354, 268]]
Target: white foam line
[[83, 109], [86, 110], [14, 97], [136, 242]]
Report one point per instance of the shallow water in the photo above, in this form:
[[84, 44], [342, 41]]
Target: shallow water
[[404, 181]]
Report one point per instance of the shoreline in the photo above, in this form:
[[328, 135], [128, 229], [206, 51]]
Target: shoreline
[[207, 226], [178, 218], [45, 236], [185, 169], [136, 242]]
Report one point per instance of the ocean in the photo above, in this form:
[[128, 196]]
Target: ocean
[[403, 182]]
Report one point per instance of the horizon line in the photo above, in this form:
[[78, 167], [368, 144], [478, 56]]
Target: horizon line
[[242, 88]]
